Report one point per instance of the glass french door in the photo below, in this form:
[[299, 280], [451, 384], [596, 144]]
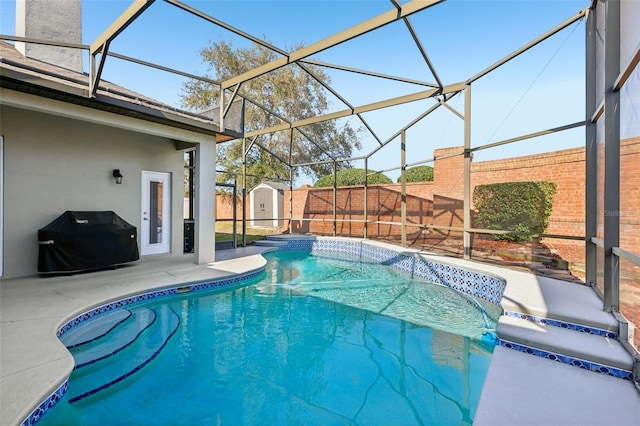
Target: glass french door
[[156, 215]]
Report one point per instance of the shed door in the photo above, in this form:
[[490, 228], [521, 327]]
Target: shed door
[[262, 206], [156, 215]]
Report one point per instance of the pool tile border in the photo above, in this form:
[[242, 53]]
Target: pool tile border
[[576, 362], [563, 324], [144, 297], [46, 405], [477, 284]]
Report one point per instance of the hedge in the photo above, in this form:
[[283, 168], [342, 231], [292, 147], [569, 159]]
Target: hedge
[[514, 206], [419, 174], [349, 177]]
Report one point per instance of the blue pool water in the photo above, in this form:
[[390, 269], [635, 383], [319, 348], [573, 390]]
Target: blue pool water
[[314, 341]]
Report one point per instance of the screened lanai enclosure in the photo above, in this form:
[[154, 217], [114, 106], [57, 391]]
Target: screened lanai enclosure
[[527, 120]]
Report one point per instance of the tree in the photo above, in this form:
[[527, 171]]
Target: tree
[[419, 174], [349, 177], [289, 92]]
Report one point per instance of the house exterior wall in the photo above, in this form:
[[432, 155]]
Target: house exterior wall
[[53, 164]]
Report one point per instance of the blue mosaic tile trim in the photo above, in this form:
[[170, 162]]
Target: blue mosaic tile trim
[[115, 305], [476, 284], [154, 295], [225, 282], [563, 324], [47, 405], [305, 244], [351, 248], [576, 362]]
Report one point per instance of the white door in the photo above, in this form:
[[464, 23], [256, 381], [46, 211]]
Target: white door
[[156, 215]]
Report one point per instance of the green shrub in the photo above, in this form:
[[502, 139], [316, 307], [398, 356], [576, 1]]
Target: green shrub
[[419, 174], [514, 206], [349, 177]]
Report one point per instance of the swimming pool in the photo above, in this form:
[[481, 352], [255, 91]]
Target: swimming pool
[[314, 340]]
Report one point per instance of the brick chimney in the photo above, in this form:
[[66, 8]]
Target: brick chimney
[[58, 20]]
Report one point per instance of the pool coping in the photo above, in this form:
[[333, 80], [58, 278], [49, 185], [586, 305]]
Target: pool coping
[[528, 293]]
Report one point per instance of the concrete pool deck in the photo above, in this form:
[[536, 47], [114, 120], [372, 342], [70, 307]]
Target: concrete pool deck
[[34, 363], [519, 389]]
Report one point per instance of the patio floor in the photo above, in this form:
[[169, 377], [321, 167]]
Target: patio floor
[[519, 389], [33, 362]]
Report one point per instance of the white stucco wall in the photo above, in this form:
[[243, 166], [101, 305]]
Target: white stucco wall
[[54, 164]]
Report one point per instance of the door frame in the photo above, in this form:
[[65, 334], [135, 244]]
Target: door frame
[[147, 247]]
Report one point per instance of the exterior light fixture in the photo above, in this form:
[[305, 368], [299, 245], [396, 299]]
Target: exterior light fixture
[[117, 176]]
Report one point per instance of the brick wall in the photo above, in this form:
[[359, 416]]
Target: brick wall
[[383, 204], [224, 206], [440, 202], [630, 194], [566, 168]]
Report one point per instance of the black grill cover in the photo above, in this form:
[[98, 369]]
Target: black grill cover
[[80, 241]]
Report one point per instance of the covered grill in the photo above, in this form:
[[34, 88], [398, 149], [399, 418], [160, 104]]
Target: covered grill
[[80, 241]]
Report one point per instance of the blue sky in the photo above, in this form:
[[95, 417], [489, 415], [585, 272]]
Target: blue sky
[[542, 88]]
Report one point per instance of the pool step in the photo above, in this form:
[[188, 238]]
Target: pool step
[[94, 328], [111, 370], [116, 341], [563, 321], [270, 243], [581, 349]]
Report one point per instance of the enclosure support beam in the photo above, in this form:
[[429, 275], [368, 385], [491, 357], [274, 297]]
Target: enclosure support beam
[[366, 179], [290, 200], [611, 156], [425, 94], [466, 238], [221, 112], [100, 45], [591, 152], [403, 187], [335, 197], [244, 191], [369, 73], [423, 52], [235, 212], [348, 34], [291, 182], [407, 127]]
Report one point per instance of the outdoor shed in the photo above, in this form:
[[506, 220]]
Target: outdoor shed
[[267, 204]]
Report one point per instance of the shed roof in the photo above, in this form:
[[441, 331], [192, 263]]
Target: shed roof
[[274, 185]]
